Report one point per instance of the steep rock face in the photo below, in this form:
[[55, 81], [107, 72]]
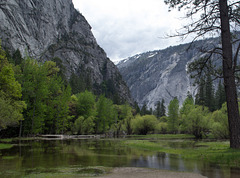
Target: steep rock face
[[49, 29], [161, 74]]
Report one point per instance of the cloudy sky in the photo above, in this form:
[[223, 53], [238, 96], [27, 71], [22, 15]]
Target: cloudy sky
[[124, 28]]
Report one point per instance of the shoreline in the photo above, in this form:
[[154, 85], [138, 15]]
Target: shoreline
[[133, 172]]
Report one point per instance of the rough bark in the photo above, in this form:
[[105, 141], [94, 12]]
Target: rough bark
[[229, 78]]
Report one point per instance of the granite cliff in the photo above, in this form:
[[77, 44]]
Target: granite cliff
[[48, 29], [162, 74]]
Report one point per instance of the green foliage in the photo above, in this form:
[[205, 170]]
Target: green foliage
[[17, 57], [144, 110], [198, 122], [85, 104], [187, 107], [84, 126], [46, 97], [161, 128], [144, 124], [160, 109], [220, 96], [209, 98], [173, 116], [106, 114], [122, 122], [219, 125], [10, 94]]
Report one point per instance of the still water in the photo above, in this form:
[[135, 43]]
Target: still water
[[44, 155]]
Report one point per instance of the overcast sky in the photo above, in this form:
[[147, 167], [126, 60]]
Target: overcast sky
[[124, 28]]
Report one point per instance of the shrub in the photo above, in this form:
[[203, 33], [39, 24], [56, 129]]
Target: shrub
[[219, 126], [144, 124]]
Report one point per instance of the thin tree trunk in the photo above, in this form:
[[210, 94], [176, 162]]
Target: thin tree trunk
[[20, 129], [229, 78], [34, 106]]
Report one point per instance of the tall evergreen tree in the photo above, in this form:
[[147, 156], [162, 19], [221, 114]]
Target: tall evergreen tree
[[200, 96], [162, 109], [209, 94], [158, 110], [220, 96]]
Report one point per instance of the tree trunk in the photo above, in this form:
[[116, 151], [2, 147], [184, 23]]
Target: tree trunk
[[229, 78]]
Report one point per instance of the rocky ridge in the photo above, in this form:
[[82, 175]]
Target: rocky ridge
[[46, 29], [162, 74]]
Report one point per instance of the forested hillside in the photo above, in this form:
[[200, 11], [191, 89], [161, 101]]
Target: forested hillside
[[55, 31]]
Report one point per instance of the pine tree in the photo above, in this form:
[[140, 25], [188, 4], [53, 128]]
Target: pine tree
[[162, 109], [200, 96], [209, 93], [158, 110], [220, 96]]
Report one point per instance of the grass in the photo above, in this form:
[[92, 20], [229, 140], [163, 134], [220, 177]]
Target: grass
[[6, 140], [67, 172], [5, 146], [218, 152], [163, 136]]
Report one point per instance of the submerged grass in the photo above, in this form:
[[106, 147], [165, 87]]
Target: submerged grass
[[163, 136], [67, 172], [5, 146], [218, 152]]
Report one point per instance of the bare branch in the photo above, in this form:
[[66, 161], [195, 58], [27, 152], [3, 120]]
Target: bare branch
[[235, 57]]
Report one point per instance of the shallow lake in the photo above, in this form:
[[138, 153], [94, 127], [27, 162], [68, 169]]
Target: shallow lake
[[39, 156]]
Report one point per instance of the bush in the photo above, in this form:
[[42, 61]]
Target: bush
[[84, 126], [219, 126], [198, 121], [144, 124], [161, 128]]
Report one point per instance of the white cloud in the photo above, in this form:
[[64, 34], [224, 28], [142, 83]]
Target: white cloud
[[126, 27]]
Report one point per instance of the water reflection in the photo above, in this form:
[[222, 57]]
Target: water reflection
[[176, 163], [32, 155]]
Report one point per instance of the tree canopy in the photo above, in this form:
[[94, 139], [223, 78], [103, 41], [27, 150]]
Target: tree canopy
[[216, 17]]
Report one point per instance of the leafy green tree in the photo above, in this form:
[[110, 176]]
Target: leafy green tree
[[84, 126], [35, 92], [221, 16], [86, 104], [198, 121], [173, 116], [10, 94], [161, 128], [187, 107], [144, 124], [127, 115], [78, 125], [219, 125], [106, 115], [57, 106]]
